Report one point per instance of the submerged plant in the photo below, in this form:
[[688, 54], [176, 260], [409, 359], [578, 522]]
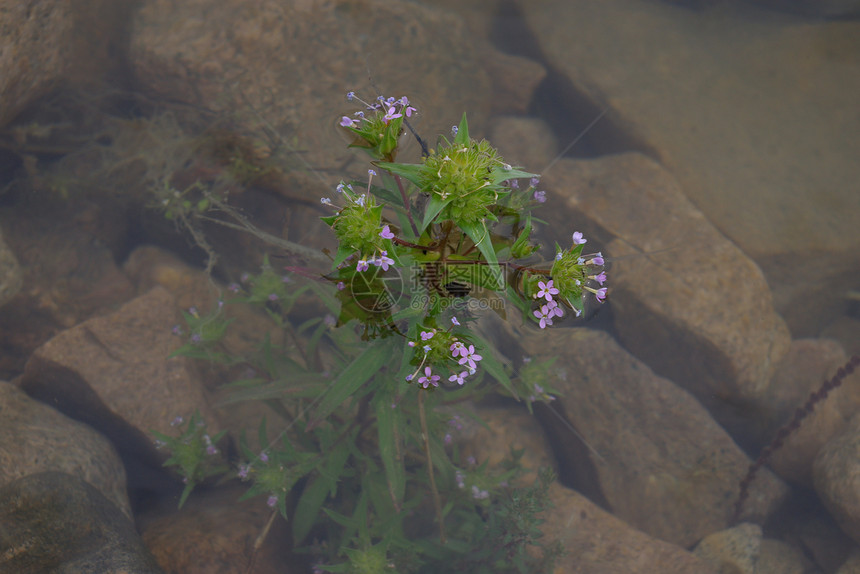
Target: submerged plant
[[421, 248], [789, 428]]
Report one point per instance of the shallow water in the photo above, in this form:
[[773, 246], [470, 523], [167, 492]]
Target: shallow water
[[730, 126]]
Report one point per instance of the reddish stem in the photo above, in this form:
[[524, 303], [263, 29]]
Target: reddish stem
[[784, 432]]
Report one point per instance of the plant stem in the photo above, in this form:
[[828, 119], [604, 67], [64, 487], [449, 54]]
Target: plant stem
[[437, 503], [258, 543]]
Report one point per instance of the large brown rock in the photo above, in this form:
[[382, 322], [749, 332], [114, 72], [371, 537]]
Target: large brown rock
[[49, 42], [35, 438], [753, 112], [662, 463], [57, 522], [836, 474], [288, 66], [114, 373], [599, 543], [214, 534], [10, 273], [688, 302]]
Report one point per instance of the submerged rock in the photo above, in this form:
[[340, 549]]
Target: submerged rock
[[663, 464], [599, 543], [56, 522], [688, 302], [34, 438], [113, 372]]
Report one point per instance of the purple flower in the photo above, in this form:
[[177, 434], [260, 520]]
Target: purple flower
[[273, 297], [469, 357], [454, 130], [455, 321], [341, 285], [329, 320], [540, 196], [243, 471], [479, 494], [578, 239], [545, 315], [391, 115], [427, 335], [233, 287], [347, 122], [272, 501], [429, 378], [176, 421], [457, 349], [407, 109], [601, 278], [459, 379], [514, 183], [386, 233], [601, 294], [371, 173], [383, 261], [546, 290], [554, 309], [362, 265], [350, 96], [596, 261], [264, 457], [210, 450], [176, 330], [409, 377], [195, 338], [325, 201], [534, 181]]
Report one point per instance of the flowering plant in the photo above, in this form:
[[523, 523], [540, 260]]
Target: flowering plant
[[382, 376], [458, 222]]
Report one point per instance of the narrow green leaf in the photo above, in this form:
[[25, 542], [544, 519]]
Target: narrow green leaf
[[312, 499], [410, 171], [434, 206], [388, 424], [462, 137], [493, 366], [478, 233], [342, 253], [358, 372]]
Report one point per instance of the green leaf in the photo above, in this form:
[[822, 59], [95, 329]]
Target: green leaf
[[358, 372], [462, 137], [498, 175], [185, 492], [493, 366], [410, 171], [434, 206], [310, 503], [478, 233], [388, 424], [521, 247], [342, 253], [387, 195]]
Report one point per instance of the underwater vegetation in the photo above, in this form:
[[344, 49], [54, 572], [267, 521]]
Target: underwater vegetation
[[372, 391]]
